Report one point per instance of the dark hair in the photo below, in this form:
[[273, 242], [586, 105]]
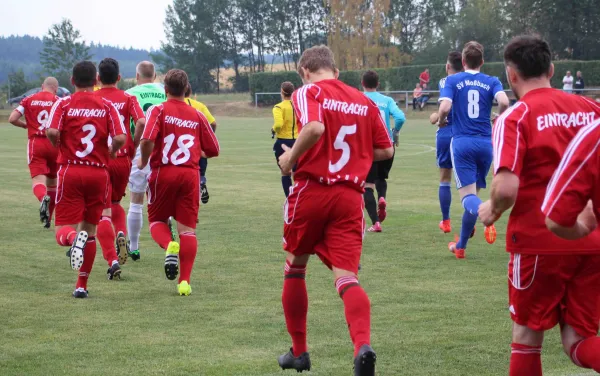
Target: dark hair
[[455, 61], [188, 90], [84, 74], [176, 82], [530, 55], [473, 55], [108, 70], [370, 79], [287, 88], [317, 57]]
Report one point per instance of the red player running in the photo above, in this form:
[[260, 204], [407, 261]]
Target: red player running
[[175, 137], [41, 155], [112, 229], [81, 125], [341, 133], [551, 280], [571, 215]]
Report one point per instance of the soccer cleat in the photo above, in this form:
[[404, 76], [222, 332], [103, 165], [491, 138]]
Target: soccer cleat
[[204, 191], [375, 228], [172, 261], [170, 223], [122, 248], [114, 272], [445, 226], [45, 211], [381, 209], [76, 255], [289, 361], [458, 252], [135, 254], [364, 363], [80, 293], [184, 288], [490, 234]]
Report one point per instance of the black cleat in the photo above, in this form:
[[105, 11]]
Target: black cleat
[[204, 192], [122, 247], [289, 361], [364, 363], [45, 211], [80, 293], [114, 272]]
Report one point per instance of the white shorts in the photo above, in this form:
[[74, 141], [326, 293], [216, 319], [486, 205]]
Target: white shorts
[[138, 179]]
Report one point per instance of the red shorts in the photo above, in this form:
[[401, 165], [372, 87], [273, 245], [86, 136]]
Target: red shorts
[[545, 290], [174, 191], [81, 194], [119, 170], [327, 221], [41, 157]]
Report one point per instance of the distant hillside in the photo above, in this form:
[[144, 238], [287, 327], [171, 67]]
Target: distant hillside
[[22, 52]]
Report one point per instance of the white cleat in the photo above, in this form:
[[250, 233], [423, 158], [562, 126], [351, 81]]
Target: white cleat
[[77, 250]]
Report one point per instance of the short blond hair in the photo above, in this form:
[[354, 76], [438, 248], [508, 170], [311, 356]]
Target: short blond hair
[[316, 58]]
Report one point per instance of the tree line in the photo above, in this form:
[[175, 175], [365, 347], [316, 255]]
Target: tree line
[[204, 36]]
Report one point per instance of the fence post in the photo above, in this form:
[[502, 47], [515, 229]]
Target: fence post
[[406, 105], [255, 100]]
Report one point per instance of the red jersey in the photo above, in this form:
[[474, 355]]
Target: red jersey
[[180, 134], [576, 180], [530, 139], [36, 109], [353, 128], [85, 122], [129, 108], [424, 78]]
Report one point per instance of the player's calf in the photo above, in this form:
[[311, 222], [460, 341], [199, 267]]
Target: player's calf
[[65, 235]]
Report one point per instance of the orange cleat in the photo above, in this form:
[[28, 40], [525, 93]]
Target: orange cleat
[[490, 234], [381, 209], [458, 252], [445, 226]]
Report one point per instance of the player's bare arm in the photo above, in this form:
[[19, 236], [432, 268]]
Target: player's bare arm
[[443, 111], [585, 224], [117, 143], [310, 135], [53, 135], [146, 147], [503, 102], [383, 154], [139, 131], [15, 119], [503, 195]]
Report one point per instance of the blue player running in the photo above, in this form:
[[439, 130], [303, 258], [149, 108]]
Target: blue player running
[[442, 142], [470, 95], [377, 178]]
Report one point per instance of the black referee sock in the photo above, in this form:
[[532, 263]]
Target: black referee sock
[[286, 183], [371, 205], [381, 185]]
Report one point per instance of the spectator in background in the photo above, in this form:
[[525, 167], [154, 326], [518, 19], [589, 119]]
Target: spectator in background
[[424, 79], [579, 84], [568, 83], [417, 94]]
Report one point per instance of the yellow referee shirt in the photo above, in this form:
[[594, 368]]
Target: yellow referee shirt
[[202, 108], [285, 121]]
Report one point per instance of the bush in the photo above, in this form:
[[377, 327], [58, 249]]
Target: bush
[[406, 77]]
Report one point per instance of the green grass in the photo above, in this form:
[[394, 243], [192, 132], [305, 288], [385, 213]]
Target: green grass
[[432, 314]]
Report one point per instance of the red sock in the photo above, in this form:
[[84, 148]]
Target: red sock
[[39, 190], [295, 305], [525, 360], [119, 218], [106, 237], [66, 236], [357, 308], [51, 191], [161, 234], [89, 255], [187, 254], [586, 353]]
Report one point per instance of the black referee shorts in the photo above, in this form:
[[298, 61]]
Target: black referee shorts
[[380, 170]]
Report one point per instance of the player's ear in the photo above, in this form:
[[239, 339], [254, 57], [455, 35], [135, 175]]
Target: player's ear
[[118, 78], [73, 82], [336, 73], [551, 71]]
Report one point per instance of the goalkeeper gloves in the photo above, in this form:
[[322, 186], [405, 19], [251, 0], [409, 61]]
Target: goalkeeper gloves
[[272, 133], [396, 138]]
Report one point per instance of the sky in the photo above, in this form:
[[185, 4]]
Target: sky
[[133, 23]]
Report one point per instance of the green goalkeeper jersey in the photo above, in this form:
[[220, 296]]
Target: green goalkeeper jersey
[[147, 95]]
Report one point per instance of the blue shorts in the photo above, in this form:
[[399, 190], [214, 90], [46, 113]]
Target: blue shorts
[[442, 148], [472, 158]]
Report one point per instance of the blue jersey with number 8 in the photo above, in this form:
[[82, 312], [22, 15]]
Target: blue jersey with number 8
[[472, 94]]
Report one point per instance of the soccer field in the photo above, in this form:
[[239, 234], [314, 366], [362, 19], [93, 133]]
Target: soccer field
[[432, 314]]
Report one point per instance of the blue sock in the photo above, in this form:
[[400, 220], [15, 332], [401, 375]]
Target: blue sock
[[286, 183], [471, 204], [445, 194]]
